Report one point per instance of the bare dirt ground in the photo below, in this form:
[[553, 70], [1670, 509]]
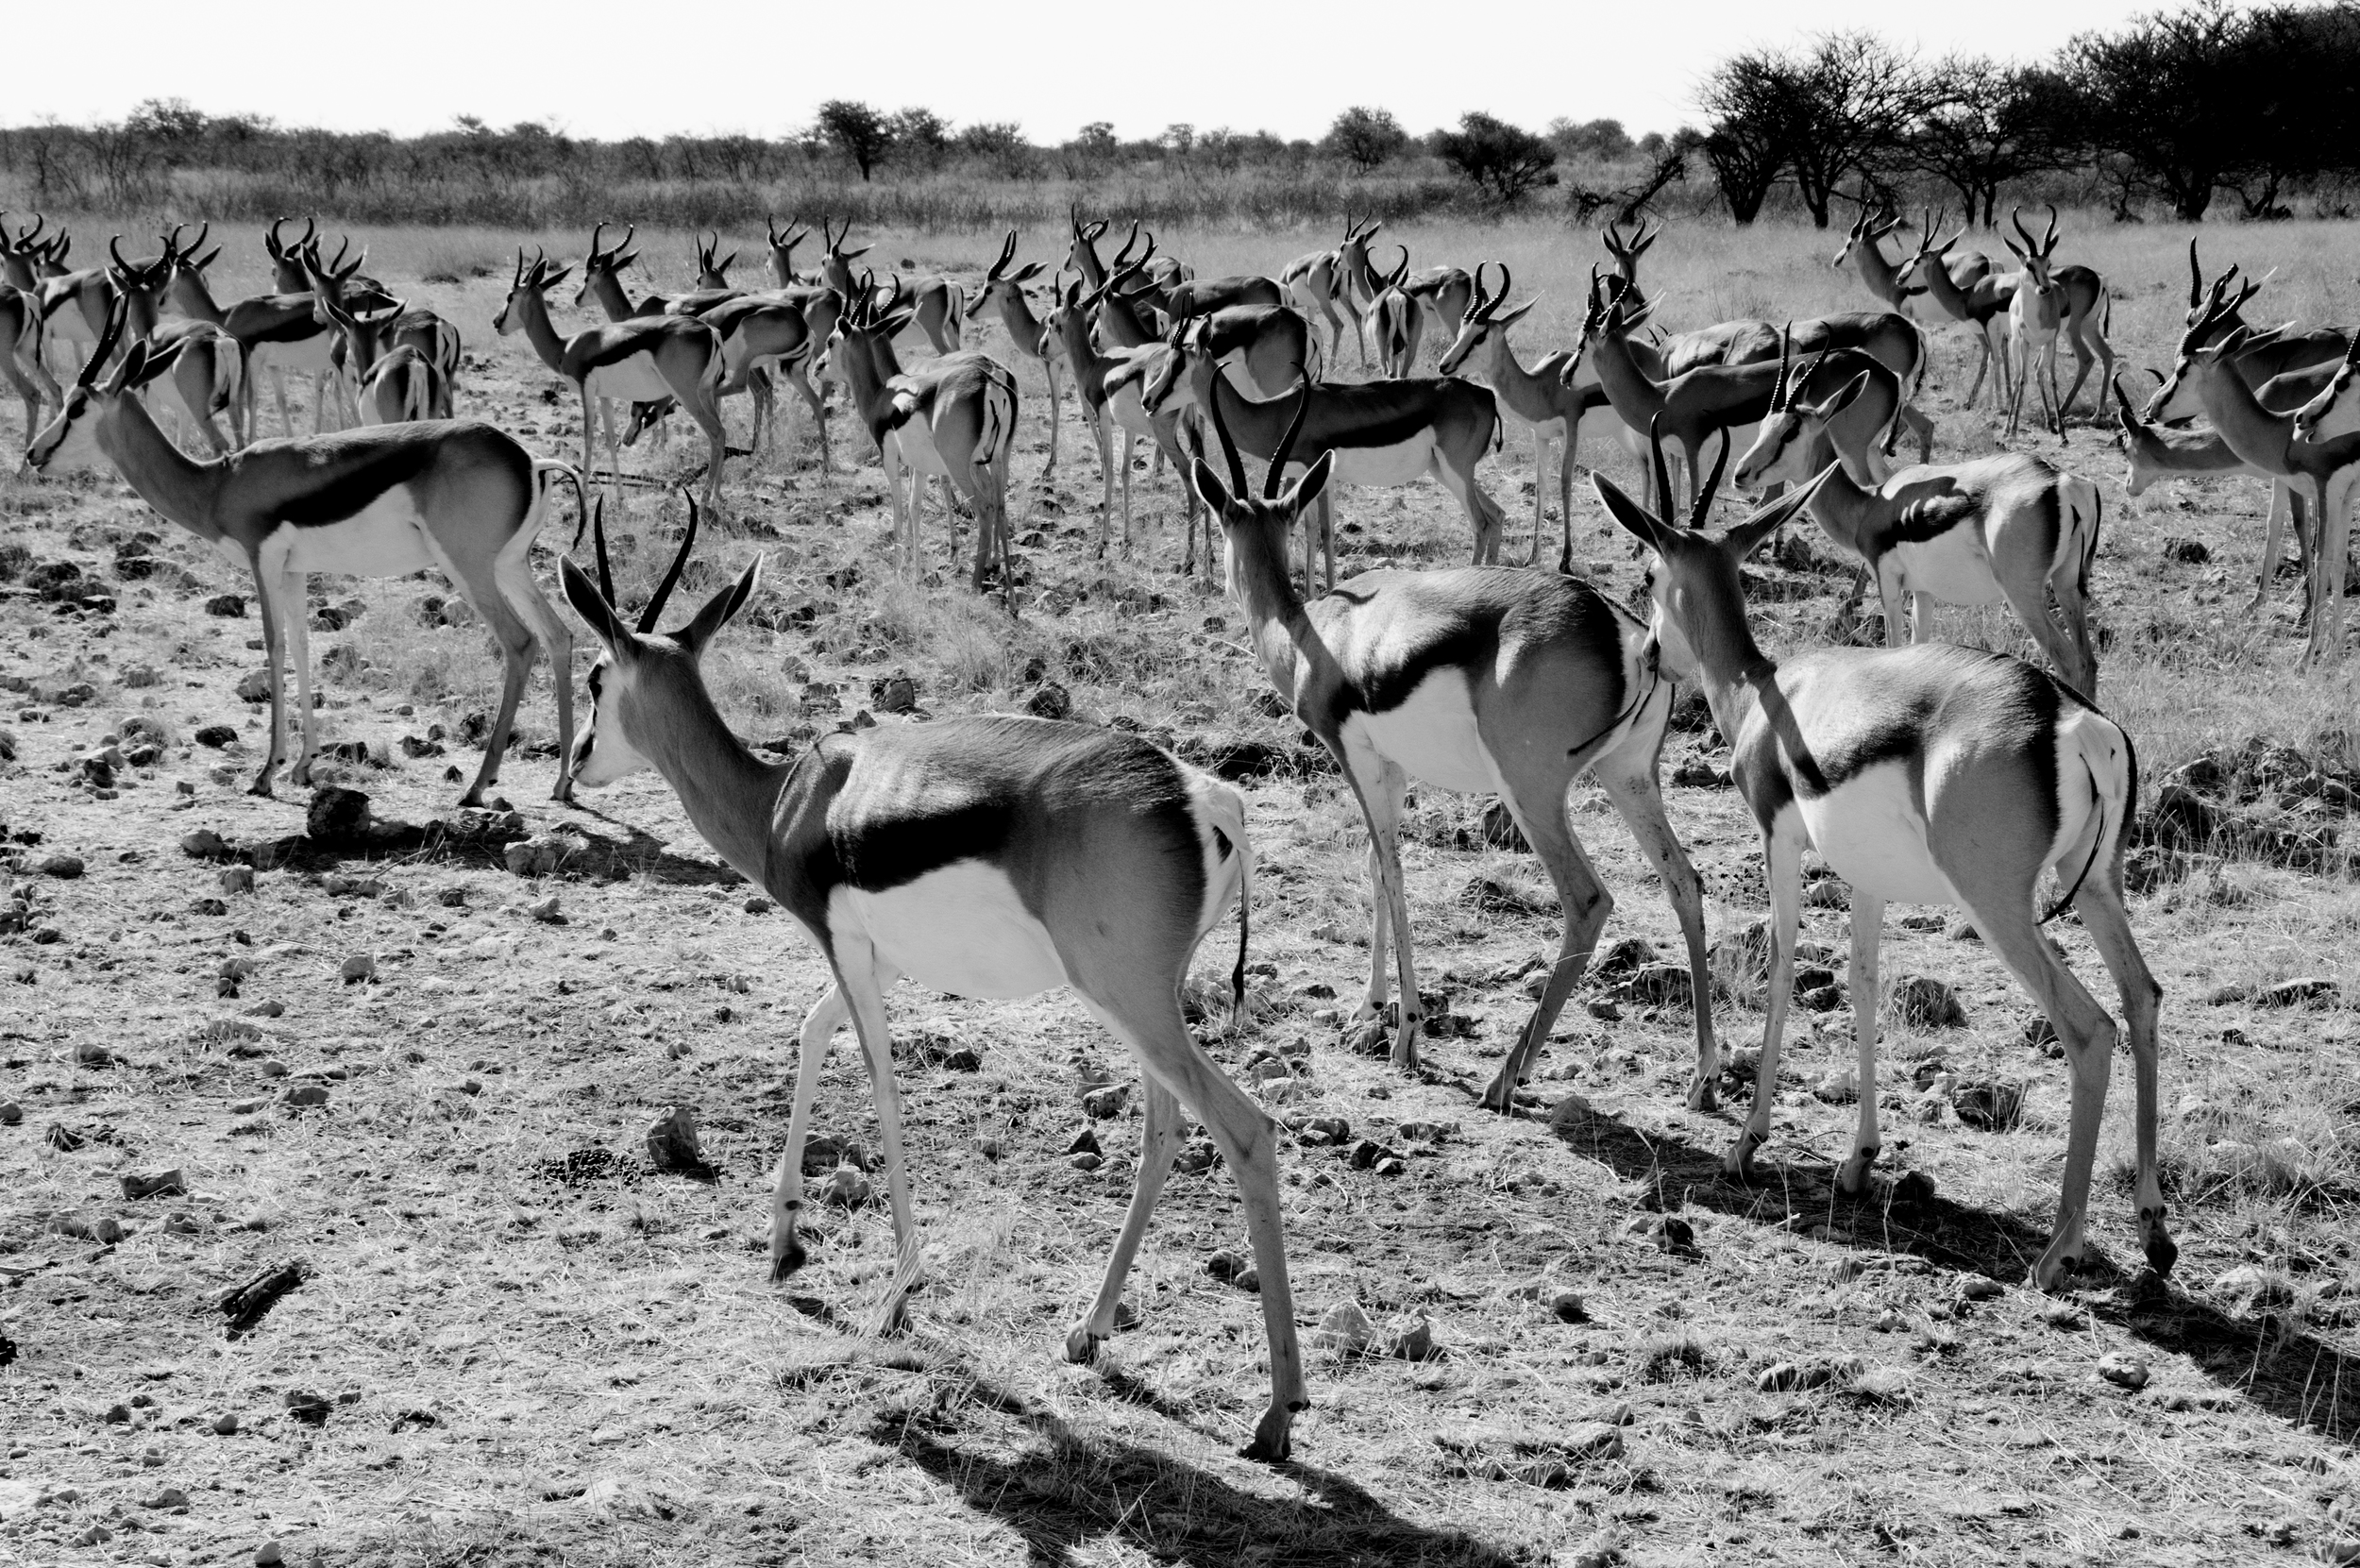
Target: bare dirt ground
[[424, 1081]]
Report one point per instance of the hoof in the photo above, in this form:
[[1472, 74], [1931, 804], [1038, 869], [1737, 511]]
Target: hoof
[[786, 1260], [1852, 1178], [1272, 1438], [1499, 1095], [1081, 1346], [1739, 1161], [2161, 1251]]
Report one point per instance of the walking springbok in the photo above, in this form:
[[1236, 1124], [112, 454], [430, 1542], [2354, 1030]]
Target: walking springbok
[[985, 856], [1479, 678], [1728, 400], [938, 306], [1381, 432], [1967, 289], [1003, 286], [1931, 774], [462, 497], [2049, 299], [1536, 401], [21, 364], [639, 361], [953, 417], [2007, 529], [1326, 279], [1399, 320], [766, 339], [2204, 375]]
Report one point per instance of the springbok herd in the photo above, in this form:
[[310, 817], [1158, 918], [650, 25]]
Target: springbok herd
[[1003, 857]]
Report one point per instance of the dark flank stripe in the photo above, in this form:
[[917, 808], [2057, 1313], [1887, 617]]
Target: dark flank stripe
[[1477, 612], [1930, 516], [619, 340], [317, 481]]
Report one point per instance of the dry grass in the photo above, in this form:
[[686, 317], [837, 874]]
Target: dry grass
[[597, 1373]]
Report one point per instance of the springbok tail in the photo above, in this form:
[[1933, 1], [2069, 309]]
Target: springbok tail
[[2111, 762], [545, 472]]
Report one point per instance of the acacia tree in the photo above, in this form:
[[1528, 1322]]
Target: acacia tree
[[1365, 138], [1746, 143], [1985, 124], [2155, 93], [1504, 162], [856, 131]]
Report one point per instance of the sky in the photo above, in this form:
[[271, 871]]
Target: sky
[[596, 68]]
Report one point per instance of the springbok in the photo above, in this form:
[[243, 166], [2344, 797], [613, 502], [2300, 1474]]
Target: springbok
[[1625, 254], [282, 334], [2008, 528], [938, 306], [421, 331], [1967, 289], [2049, 299], [1931, 774], [393, 383], [194, 368], [2153, 452], [1536, 399], [953, 417], [1003, 286], [1326, 279], [462, 497], [1398, 320], [21, 364], [1443, 293], [1480, 679], [779, 253], [1728, 400], [1381, 432], [639, 360], [985, 856]]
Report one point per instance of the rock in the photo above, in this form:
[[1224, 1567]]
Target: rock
[[1661, 985], [1085, 1142], [91, 1054], [1409, 1338], [545, 911], [65, 867], [537, 856], [2250, 1288], [254, 686], [1568, 1307], [228, 606], [1992, 1108], [11, 1113], [1500, 829], [1050, 700], [358, 968], [307, 1097], [1840, 1088], [1225, 1266], [1827, 893], [847, 1187], [163, 1183], [1086, 1162], [1318, 1131], [224, 1424], [2120, 1367], [1921, 1002], [215, 735], [2185, 552], [337, 816], [672, 1141], [1345, 1327], [204, 844], [309, 1408], [1572, 1110], [170, 1498], [1101, 1104], [268, 1555]]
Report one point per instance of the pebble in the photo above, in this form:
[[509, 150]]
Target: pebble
[[1085, 1142], [358, 968], [1568, 1307], [2124, 1369], [1411, 1339], [170, 1498], [847, 1187], [545, 910], [304, 1095], [1224, 1265], [268, 1555], [1980, 1288], [65, 867], [163, 1182], [204, 844], [1344, 1326], [672, 1140], [11, 1113]]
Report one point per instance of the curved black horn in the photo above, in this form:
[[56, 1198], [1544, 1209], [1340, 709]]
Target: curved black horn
[[671, 578], [597, 540], [1238, 483], [1779, 393], [1507, 281], [1285, 442], [2050, 239], [114, 249], [2015, 216], [1712, 484], [2196, 276], [1662, 473], [108, 337]]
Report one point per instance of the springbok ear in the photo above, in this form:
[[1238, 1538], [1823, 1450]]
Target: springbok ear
[[1747, 537], [1209, 489], [130, 372], [152, 361], [1846, 397], [1511, 317], [1026, 273], [1314, 480], [1636, 519], [2013, 246], [720, 610], [592, 607]]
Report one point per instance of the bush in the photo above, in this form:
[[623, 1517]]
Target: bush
[[1503, 161]]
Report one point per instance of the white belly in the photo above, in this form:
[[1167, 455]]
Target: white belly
[[386, 538], [635, 380], [1129, 412], [1403, 463], [1433, 736], [961, 930], [1871, 832], [1954, 568], [914, 445], [309, 357]]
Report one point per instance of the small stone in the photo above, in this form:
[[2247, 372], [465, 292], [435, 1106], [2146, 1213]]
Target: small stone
[[847, 1187], [1345, 1327], [1409, 1338], [91, 1054], [1085, 1142], [268, 1555], [2120, 1367], [226, 1424], [171, 1182], [65, 867], [1568, 1307], [1086, 1162], [358, 968], [672, 1141], [306, 1096], [545, 911], [203, 844], [170, 1498], [11, 1113], [1099, 1104], [1224, 1265], [1921, 1002], [215, 735], [1992, 1108]]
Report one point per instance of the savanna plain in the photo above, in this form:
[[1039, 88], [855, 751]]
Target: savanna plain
[[426, 1080]]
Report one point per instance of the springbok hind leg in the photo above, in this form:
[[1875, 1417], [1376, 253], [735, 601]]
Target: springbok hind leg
[[1537, 804], [1868, 915], [865, 977], [1159, 1139], [1629, 778], [827, 1015]]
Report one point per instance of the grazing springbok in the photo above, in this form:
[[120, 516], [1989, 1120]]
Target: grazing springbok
[[938, 306], [1931, 774], [1967, 289], [953, 417], [2302, 447], [1443, 293], [1399, 320], [1726, 400], [2051, 299], [985, 856], [1626, 254], [1381, 432], [1003, 286], [1326, 279], [2007, 529], [639, 360], [459, 497], [766, 339], [1481, 679]]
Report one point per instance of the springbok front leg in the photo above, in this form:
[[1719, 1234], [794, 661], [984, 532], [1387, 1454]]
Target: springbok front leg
[[1582, 896], [864, 979], [828, 1014], [293, 605], [1783, 848], [1159, 1141], [1868, 916], [1382, 787], [1628, 776]]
